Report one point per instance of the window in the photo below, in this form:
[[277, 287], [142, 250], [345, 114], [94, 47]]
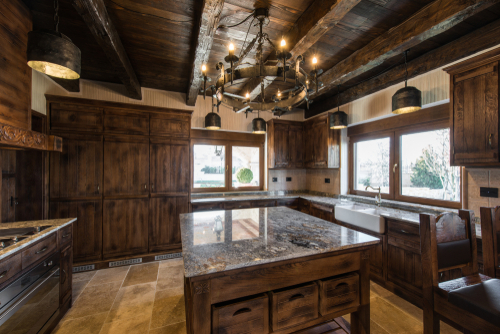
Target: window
[[410, 164], [227, 165]]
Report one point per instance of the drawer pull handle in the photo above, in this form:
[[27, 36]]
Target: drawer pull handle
[[66, 235], [295, 297], [2, 275], [241, 311], [403, 231], [42, 250]]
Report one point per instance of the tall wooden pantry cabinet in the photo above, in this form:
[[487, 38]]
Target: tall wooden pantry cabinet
[[123, 172]]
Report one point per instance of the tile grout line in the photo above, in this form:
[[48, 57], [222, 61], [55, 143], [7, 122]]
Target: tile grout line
[[154, 299]]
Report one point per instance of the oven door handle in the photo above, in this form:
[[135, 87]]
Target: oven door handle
[[26, 296]]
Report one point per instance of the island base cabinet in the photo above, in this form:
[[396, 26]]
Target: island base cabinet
[[339, 293], [248, 316], [66, 274], [125, 227], [290, 307]]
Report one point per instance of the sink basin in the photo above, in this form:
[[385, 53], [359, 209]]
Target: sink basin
[[367, 218]]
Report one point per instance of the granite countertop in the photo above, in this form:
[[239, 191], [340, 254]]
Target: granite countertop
[[215, 241], [56, 224]]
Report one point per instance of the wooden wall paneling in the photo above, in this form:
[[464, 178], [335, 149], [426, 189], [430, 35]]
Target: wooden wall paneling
[[78, 171], [30, 175], [87, 230], [8, 163], [15, 86], [126, 166], [125, 227]]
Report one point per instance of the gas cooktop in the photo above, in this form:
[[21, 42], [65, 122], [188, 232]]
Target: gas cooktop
[[11, 236]]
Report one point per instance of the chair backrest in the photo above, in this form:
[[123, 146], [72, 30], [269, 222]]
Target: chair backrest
[[490, 235], [448, 241]]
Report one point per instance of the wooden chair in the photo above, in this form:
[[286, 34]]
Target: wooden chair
[[490, 232], [472, 301]]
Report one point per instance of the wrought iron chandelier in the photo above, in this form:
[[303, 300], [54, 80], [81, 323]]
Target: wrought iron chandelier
[[288, 70]]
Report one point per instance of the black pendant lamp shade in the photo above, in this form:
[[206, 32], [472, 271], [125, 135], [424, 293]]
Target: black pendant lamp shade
[[407, 99], [54, 54], [212, 121], [338, 120], [258, 126]]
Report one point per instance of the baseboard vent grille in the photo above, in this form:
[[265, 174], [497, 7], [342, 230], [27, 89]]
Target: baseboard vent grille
[[83, 268], [125, 262], [168, 256]]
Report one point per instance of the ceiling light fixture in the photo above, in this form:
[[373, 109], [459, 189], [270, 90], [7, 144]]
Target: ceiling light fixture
[[258, 125], [290, 71], [53, 53], [407, 99], [213, 120], [338, 120]]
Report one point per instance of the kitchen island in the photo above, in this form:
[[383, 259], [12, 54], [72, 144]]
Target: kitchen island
[[272, 270]]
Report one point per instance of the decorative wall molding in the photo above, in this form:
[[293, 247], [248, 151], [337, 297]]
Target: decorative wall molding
[[22, 138]]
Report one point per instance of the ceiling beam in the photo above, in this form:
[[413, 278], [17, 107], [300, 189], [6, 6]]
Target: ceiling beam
[[476, 41], [317, 19], [72, 86], [96, 17], [434, 19], [209, 21]]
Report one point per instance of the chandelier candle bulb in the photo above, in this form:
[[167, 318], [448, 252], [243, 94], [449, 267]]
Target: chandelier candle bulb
[[231, 49]]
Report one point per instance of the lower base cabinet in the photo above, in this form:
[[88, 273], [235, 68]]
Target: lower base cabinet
[[164, 225], [125, 227], [66, 272], [339, 293]]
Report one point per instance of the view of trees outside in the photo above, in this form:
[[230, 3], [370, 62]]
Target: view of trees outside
[[246, 169], [372, 164], [209, 166], [426, 170]]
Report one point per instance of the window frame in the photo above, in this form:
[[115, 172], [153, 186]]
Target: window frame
[[228, 146], [395, 134]]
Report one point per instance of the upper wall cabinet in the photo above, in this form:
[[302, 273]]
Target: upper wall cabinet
[[285, 144], [474, 136], [322, 144]]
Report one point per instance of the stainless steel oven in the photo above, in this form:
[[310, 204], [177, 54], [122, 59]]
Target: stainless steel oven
[[29, 302]]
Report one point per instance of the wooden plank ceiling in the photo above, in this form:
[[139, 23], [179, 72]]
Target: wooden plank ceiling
[[163, 39]]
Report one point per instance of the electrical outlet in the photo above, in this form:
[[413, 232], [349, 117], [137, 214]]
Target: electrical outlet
[[288, 179], [327, 180], [275, 179], [488, 192]]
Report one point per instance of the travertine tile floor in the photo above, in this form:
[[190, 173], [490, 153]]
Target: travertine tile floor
[[149, 299]]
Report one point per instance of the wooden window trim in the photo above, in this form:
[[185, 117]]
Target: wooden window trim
[[427, 123], [228, 145]]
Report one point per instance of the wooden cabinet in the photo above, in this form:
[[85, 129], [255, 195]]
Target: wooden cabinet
[[404, 265], [322, 211], [126, 166], [77, 171], [164, 225], [169, 166], [285, 144], [321, 144], [474, 114], [66, 275], [125, 227], [87, 230], [77, 117]]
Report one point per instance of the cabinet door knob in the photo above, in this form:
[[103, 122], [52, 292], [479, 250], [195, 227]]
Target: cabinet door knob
[[145, 186], [97, 188]]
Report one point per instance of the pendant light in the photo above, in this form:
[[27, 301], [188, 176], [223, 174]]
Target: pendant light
[[258, 125], [53, 53], [407, 99], [213, 120], [338, 120]]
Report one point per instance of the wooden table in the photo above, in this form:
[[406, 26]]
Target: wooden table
[[256, 254]]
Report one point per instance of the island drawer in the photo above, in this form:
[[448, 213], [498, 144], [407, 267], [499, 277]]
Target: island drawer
[[243, 316], [206, 206], [408, 231], [338, 293], [237, 205], [10, 267], [290, 307], [64, 235], [39, 250]]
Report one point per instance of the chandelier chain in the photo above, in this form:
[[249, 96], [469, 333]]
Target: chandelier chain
[[56, 15]]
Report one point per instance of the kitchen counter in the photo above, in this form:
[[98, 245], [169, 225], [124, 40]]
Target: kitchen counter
[[56, 224], [216, 241]]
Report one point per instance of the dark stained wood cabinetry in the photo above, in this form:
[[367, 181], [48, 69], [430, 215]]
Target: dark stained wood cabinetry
[[285, 144], [124, 173], [474, 113], [321, 144]]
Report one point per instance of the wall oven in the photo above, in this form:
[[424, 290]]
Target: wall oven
[[28, 303]]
